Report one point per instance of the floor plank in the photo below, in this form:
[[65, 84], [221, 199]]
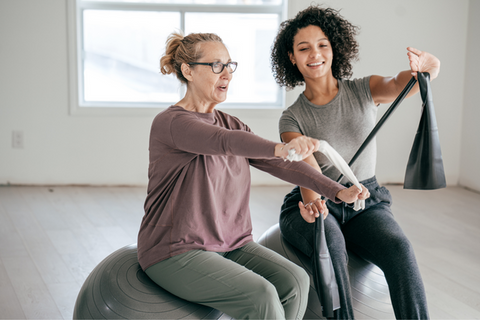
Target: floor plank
[[52, 237]]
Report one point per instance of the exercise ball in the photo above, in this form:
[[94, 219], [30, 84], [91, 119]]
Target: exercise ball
[[117, 288], [370, 296]]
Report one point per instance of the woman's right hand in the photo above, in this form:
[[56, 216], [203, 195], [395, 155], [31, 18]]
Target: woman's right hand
[[352, 194], [304, 146]]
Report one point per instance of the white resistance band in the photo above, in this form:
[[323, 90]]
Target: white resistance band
[[334, 157]]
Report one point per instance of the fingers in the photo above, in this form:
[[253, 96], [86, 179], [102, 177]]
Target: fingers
[[349, 195], [364, 194], [422, 61], [352, 194], [313, 209], [304, 146], [414, 58], [414, 50], [322, 207], [306, 212]]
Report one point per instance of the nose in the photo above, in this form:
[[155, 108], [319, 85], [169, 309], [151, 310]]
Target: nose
[[225, 74], [315, 52]]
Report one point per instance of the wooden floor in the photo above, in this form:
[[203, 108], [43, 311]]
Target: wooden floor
[[52, 237]]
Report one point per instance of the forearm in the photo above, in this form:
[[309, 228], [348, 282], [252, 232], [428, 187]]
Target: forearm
[[307, 194], [301, 174], [401, 80], [201, 138], [387, 89]]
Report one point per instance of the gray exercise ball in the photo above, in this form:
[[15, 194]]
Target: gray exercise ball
[[371, 299], [118, 289]]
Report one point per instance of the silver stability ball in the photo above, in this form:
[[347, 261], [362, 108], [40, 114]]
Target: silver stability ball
[[371, 299], [119, 289]]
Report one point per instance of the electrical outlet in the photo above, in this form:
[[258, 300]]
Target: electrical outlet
[[17, 139]]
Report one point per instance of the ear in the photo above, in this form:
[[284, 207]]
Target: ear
[[187, 72], [292, 58]]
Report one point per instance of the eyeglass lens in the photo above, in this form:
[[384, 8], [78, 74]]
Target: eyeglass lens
[[218, 67]]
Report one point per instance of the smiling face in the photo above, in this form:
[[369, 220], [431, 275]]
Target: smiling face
[[312, 53], [207, 87]]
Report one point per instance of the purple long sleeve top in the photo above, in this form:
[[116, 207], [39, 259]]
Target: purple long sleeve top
[[199, 183]]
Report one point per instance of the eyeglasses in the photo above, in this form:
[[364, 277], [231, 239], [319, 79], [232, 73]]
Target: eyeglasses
[[217, 67]]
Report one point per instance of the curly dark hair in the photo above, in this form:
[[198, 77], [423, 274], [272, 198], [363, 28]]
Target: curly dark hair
[[339, 32]]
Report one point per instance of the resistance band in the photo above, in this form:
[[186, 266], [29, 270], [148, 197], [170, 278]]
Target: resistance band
[[424, 171]]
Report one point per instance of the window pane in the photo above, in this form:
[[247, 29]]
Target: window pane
[[122, 50], [210, 2], [248, 38]]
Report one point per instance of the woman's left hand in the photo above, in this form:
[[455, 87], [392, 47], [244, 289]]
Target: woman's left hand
[[421, 61], [312, 210]]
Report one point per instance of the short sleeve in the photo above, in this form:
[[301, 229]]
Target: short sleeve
[[362, 87], [288, 122]]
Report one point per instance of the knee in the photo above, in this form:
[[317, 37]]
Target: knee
[[399, 251], [300, 282], [266, 302], [294, 293], [296, 307], [400, 246], [289, 299]]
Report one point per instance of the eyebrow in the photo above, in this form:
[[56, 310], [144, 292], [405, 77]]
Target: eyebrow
[[220, 60], [307, 41]]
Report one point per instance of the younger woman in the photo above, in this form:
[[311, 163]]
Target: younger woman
[[316, 48]]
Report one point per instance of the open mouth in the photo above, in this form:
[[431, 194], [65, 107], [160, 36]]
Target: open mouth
[[316, 64]]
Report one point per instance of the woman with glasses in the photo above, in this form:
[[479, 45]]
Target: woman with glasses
[[195, 239], [317, 48]]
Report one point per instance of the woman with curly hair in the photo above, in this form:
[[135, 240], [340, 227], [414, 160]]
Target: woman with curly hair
[[316, 48]]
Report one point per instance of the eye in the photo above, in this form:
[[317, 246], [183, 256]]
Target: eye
[[217, 64]]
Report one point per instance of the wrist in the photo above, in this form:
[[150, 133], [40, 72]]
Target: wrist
[[279, 150], [308, 194]]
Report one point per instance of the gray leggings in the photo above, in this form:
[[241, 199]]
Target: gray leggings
[[374, 235], [251, 282]]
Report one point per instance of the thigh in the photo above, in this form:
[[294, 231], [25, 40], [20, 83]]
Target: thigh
[[210, 279], [300, 233], [279, 271], [291, 282], [294, 228], [201, 276], [376, 236], [335, 240]]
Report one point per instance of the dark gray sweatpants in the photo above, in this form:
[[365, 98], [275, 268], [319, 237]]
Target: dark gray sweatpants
[[374, 235]]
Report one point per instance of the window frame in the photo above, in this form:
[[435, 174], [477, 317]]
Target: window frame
[[75, 37]]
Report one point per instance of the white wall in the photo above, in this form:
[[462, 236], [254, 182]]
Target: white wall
[[59, 148], [64, 149], [470, 142], [387, 28]]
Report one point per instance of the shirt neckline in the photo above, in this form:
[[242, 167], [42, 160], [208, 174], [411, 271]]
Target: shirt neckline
[[209, 117], [337, 96]]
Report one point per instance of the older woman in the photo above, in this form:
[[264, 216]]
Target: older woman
[[195, 239], [316, 48]]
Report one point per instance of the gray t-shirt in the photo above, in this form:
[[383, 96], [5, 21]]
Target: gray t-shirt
[[344, 123]]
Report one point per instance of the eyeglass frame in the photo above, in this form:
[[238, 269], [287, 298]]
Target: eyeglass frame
[[212, 63]]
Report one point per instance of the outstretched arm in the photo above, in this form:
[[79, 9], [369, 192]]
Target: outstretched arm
[[386, 89], [312, 205]]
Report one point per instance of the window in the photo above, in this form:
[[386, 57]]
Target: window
[[118, 45]]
